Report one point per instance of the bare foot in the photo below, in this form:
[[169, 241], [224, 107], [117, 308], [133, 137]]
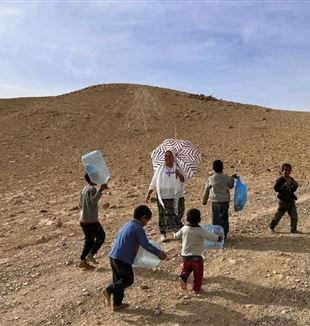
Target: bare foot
[[107, 296], [90, 259], [296, 231], [120, 307], [182, 284], [83, 264]]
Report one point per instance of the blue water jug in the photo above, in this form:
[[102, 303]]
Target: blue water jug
[[96, 167], [240, 196], [145, 259], [216, 229]]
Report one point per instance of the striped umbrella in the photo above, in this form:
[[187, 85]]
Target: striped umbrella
[[187, 156]]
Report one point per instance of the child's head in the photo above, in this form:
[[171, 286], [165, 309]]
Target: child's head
[[143, 214], [87, 178], [193, 216], [286, 169], [218, 166]]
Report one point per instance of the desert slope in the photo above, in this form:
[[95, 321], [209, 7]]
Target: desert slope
[[259, 279]]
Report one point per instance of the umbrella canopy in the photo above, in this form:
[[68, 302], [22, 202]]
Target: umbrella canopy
[[187, 156]]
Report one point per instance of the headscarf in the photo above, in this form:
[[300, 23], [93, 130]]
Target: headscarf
[[177, 183]]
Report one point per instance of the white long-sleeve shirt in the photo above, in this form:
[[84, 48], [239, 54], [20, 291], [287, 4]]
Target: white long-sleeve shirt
[[167, 176], [193, 238]]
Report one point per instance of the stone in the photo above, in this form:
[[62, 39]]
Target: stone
[[41, 239], [157, 312], [74, 208], [144, 287], [58, 223]]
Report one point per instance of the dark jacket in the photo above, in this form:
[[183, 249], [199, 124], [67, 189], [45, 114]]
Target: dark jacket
[[286, 189]]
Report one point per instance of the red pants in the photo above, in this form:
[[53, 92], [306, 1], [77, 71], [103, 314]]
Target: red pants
[[195, 266]]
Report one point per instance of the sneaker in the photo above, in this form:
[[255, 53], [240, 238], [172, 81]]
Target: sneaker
[[90, 259], [120, 307], [182, 284], [85, 265], [107, 297], [163, 237]]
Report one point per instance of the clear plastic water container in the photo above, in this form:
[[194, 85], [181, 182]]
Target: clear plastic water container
[[216, 229], [96, 167], [145, 259]]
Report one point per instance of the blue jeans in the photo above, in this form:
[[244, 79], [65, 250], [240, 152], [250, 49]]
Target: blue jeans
[[220, 215]]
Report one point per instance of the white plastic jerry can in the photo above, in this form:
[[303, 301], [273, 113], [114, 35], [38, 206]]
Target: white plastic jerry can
[[96, 167], [216, 229], [146, 259]]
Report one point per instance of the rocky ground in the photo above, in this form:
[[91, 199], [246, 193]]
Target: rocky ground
[[258, 279]]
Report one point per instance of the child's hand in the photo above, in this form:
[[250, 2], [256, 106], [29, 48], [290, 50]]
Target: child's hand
[[103, 187], [162, 255], [235, 176], [179, 175], [294, 182]]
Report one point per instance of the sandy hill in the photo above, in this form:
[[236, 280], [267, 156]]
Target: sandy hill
[[259, 279]]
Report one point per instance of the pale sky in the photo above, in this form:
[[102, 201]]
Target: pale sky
[[255, 52]]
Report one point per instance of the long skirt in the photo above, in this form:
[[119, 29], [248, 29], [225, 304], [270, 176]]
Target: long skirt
[[168, 219]]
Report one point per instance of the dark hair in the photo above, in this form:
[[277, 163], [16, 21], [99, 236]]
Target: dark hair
[[218, 166], [87, 178], [193, 216], [141, 211], [286, 165]]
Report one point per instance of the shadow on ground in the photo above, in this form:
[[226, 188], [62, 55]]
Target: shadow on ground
[[290, 243]]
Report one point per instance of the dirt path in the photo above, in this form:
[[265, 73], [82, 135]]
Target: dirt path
[[259, 279]]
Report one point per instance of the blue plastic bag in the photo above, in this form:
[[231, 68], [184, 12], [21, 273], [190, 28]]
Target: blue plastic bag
[[240, 197]]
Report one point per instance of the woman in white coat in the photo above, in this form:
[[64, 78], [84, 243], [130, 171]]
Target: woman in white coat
[[168, 181]]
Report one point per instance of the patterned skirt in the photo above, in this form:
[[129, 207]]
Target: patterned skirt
[[168, 219]]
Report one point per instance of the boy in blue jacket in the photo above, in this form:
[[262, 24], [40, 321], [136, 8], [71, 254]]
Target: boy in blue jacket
[[123, 252]]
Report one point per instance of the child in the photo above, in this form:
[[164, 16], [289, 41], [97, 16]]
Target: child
[[94, 233], [193, 237], [217, 187], [286, 186], [123, 253]]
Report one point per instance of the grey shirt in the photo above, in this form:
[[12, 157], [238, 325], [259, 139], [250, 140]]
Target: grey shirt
[[217, 187], [89, 197]]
